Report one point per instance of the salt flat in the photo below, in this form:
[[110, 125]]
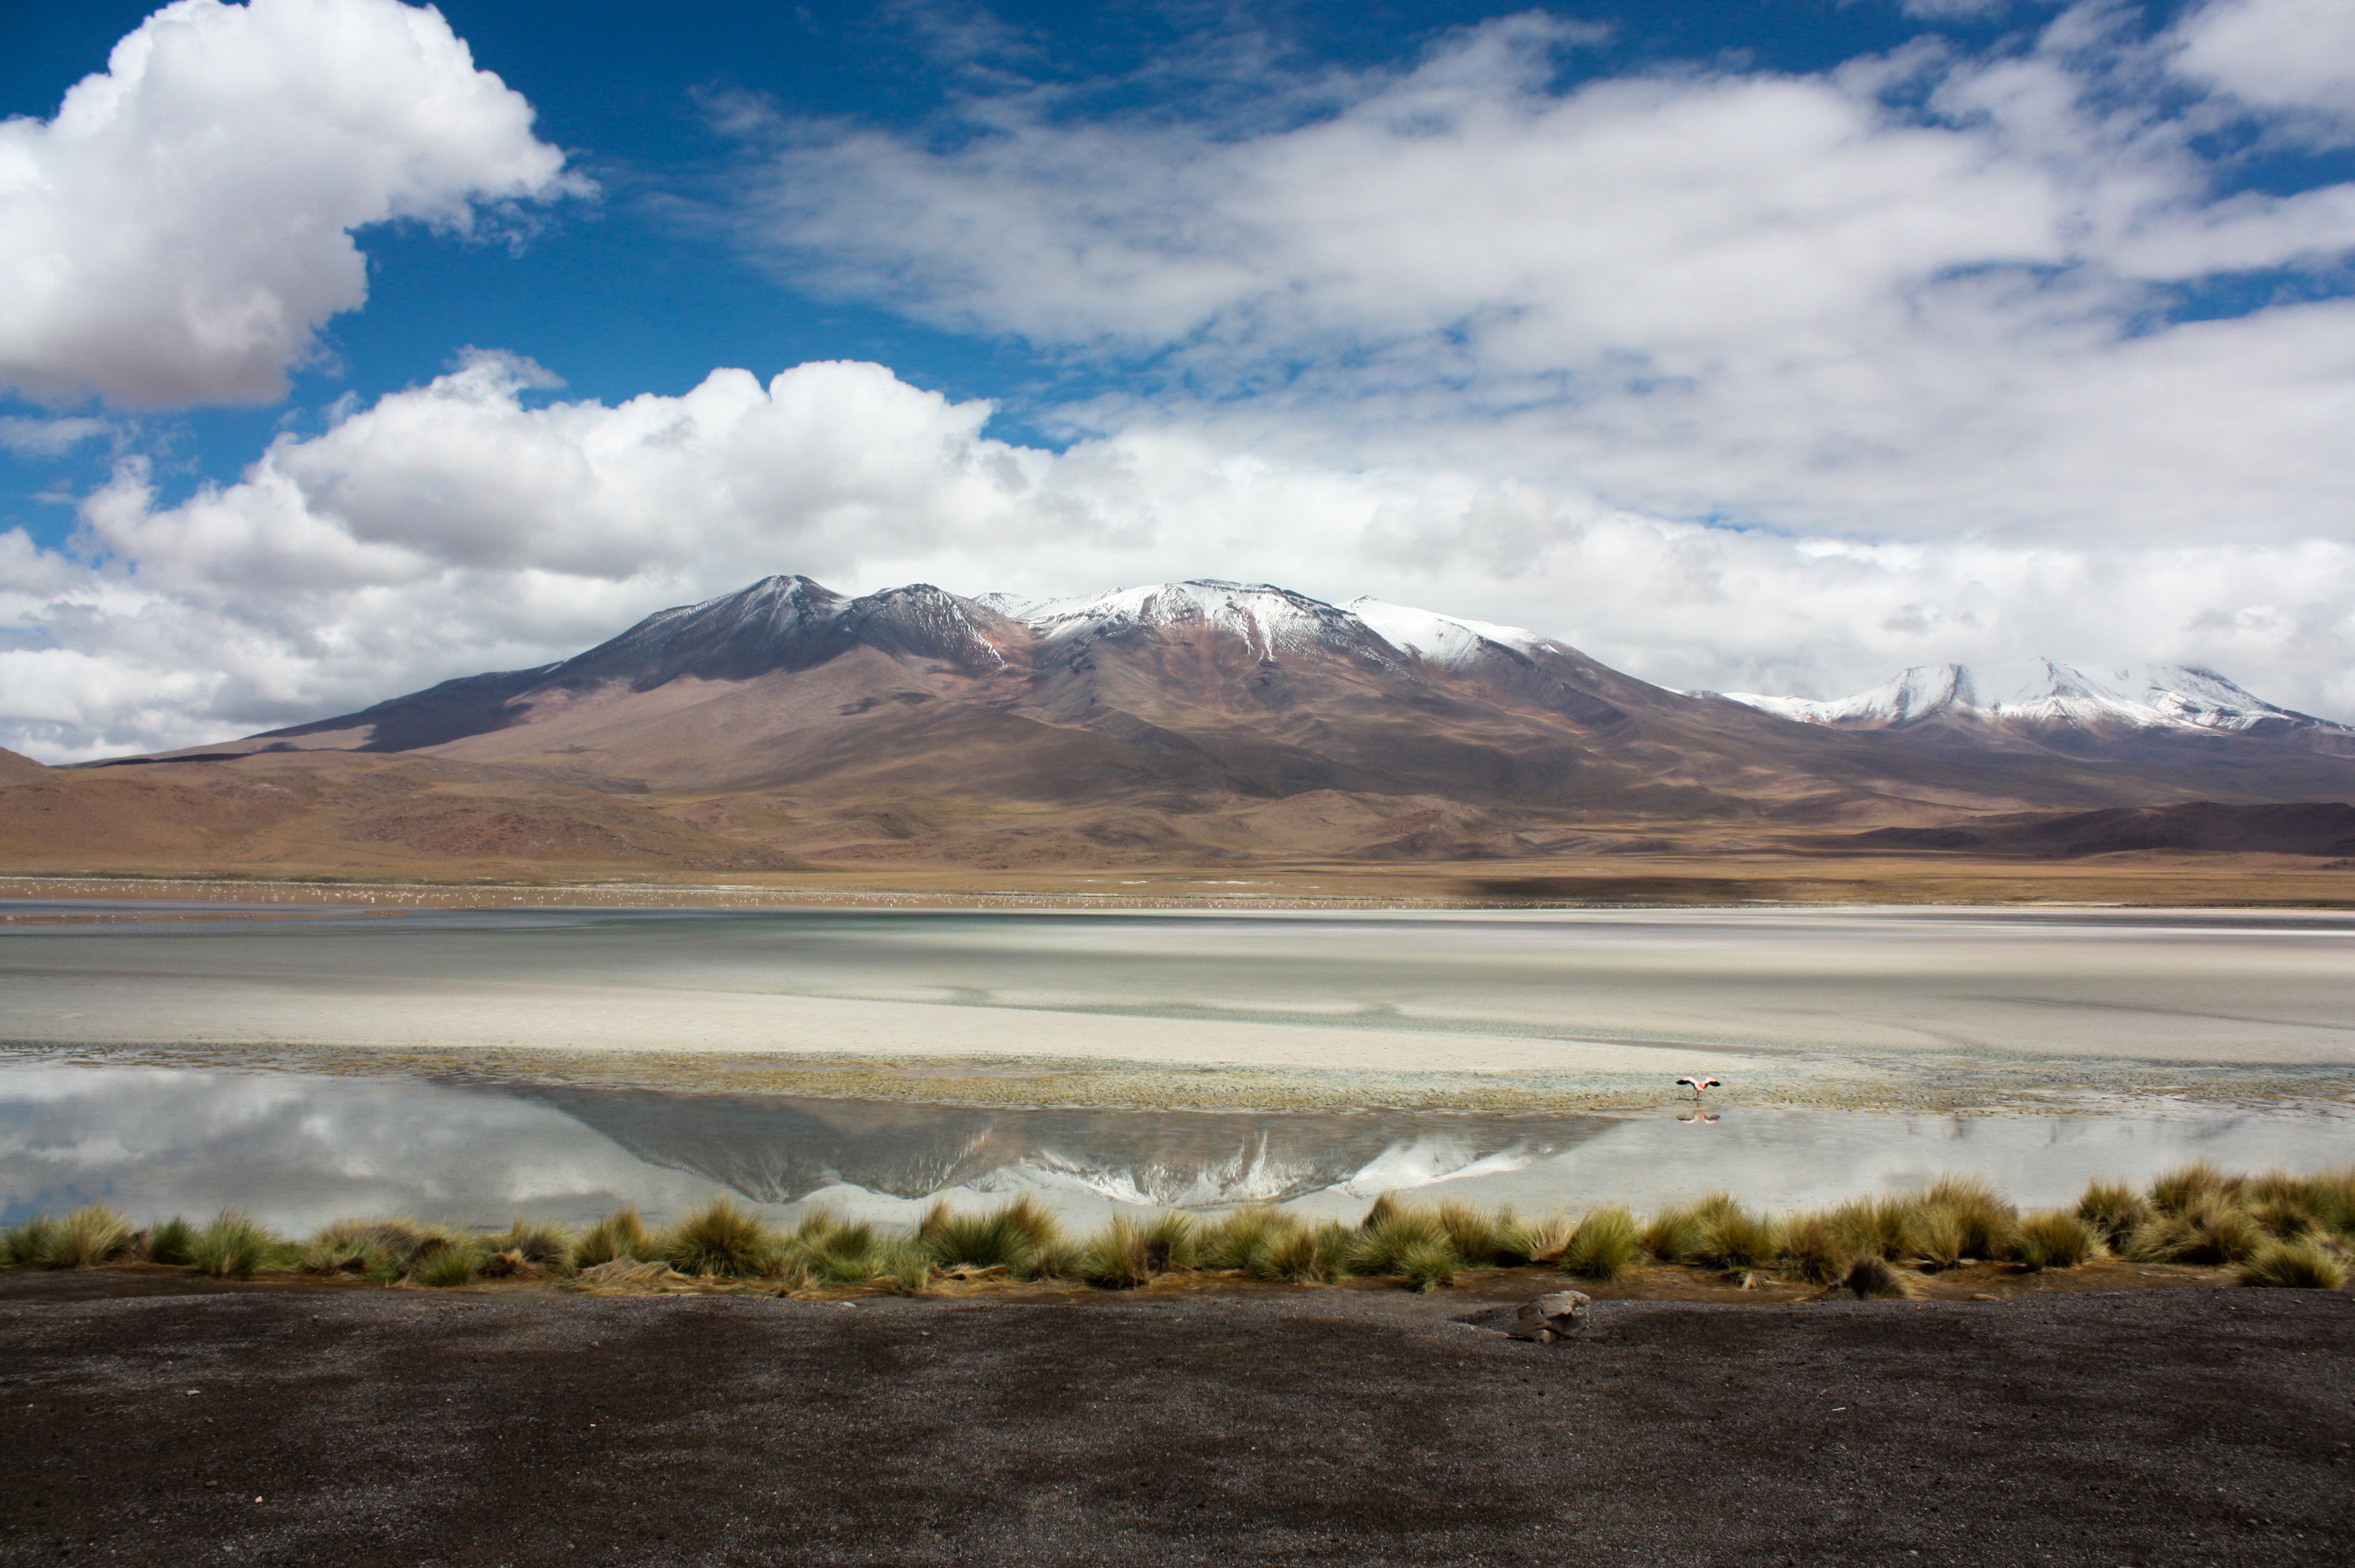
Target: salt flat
[[1769, 996]]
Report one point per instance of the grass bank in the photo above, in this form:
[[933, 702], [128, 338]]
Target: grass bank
[[2274, 1230]]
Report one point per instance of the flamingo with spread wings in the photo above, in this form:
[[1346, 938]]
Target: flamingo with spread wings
[[1697, 1083]]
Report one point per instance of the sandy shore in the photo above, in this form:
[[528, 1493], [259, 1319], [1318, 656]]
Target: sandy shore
[[2164, 1427]]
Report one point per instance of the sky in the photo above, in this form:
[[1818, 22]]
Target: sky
[[348, 346]]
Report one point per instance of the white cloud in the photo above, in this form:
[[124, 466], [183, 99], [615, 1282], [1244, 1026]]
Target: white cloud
[[47, 437], [1919, 295], [2294, 55], [182, 228], [457, 528]]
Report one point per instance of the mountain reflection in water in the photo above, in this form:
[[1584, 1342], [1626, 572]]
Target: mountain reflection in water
[[299, 1149], [776, 1149]]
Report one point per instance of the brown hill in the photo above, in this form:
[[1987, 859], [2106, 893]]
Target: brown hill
[[1186, 723]]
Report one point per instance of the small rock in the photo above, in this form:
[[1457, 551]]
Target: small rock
[[1551, 1317]]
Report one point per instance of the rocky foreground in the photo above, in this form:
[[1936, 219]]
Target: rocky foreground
[[306, 1427]]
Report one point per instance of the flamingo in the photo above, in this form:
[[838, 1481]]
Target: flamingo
[[1697, 1083]]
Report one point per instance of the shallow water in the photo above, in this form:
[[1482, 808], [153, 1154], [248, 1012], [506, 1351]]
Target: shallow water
[[2108, 1013], [298, 1149]]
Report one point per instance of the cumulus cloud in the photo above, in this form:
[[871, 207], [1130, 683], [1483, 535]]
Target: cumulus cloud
[[470, 525], [1922, 293], [182, 226], [2293, 55]]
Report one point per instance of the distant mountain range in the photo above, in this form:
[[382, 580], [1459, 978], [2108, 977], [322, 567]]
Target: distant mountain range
[[1188, 721], [2042, 696]]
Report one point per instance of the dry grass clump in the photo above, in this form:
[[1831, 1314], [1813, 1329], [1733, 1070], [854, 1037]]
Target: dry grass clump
[[1171, 1241], [1267, 1243], [2056, 1237], [90, 1235], [621, 1234], [1872, 1277], [233, 1247], [30, 1241], [538, 1243], [169, 1241], [1886, 1228], [1972, 1213], [2305, 1264], [823, 1250], [1732, 1238], [1021, 1238], [446, 1259], [2213, 1232], [2190, 1188], [1813, 1251], [379, 1249], [1673, 1236], [2113, 1208], [1116, 1258], [1605, 1245], [719, 1239]]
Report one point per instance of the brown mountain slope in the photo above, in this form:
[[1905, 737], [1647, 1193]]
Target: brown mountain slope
[[16, 769], [1187, 723]]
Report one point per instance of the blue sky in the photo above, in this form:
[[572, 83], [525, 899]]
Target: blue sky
[[1753, 345]]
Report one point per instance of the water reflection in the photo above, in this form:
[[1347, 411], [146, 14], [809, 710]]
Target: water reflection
[[300, 1150]]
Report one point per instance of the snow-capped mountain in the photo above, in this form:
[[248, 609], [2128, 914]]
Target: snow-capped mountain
[[1204, 719], [2045, 693]]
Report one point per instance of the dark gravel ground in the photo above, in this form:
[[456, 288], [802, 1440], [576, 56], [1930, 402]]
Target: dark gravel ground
[[350, 1427]]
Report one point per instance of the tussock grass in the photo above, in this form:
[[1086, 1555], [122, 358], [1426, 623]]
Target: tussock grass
[[2190, 1189], [448, 1260], [1497, 1238], [1243, 1238], [1172, 1241], [2053, 1239], [1979, 1219], [621, 1234], [542, 1244], [1674, 1236], [1021, 1238], [1116, 1257], [2277, 1228], [1603, 1246], [233, 1247], [31, 1241], [1425, 1266], [1813, 1251], [1392, 1235], [1732, 1238], [381, 1249], [1887, 1228], [719, 1239], [2212, 1233], [2114, 1209], [169, 1241], [2305, 1264], [824, 1250], [1873, 1277], [90, 1235]]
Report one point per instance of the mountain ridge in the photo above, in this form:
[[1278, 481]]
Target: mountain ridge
[[1204, 722]]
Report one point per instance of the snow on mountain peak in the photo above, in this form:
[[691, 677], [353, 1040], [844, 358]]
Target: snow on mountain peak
[[2042, 691], [1448, 641], [1269, 620]]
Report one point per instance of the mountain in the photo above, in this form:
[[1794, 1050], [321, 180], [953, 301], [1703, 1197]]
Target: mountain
[[18, 769], [1179, 723], [2052, 697], [1171, 695]]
